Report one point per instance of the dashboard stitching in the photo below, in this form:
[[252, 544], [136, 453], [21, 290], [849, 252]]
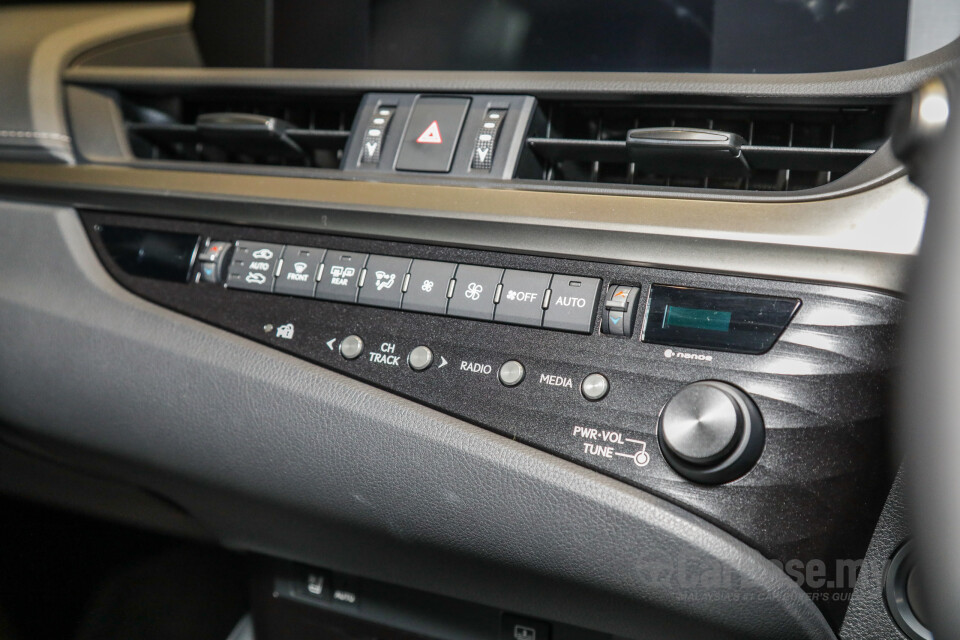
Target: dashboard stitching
[[42, 135]]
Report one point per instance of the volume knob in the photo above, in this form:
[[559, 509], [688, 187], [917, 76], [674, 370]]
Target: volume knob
[[711, 432]]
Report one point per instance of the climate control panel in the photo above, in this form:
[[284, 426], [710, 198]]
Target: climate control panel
[[751, 402]]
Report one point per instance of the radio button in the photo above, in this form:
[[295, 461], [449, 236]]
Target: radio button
[[573, 304], [474, 291], [511, 373], [427, 289], [339, 276], [521, 299]]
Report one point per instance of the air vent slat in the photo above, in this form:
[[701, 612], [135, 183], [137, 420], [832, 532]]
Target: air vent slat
[[166, 128], [786, 147], [759, 157]]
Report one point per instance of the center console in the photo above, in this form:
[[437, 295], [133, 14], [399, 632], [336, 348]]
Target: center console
[[755, 403]]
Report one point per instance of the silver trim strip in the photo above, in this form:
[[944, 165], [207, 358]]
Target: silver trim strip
[[865, 239]]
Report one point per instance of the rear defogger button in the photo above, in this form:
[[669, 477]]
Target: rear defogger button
[[573, 304]]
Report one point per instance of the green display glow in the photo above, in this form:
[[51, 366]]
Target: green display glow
[[686, 318]]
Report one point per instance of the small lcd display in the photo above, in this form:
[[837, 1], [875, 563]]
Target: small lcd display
[[716, 320], [688, 318]]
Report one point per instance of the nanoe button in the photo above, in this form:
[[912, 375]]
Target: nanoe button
[[432, 133], [521, 299]]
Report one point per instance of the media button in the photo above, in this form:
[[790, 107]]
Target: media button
[[298, 273], [383, 284], [340, 276], [521, 298], [474, 291], [427, 288]]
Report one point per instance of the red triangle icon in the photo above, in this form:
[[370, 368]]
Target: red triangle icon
[[431, 135]]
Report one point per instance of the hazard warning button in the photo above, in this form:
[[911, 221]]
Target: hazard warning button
[[432, 133]]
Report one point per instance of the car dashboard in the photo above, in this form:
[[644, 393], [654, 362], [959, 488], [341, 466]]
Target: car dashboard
[[455, 347]]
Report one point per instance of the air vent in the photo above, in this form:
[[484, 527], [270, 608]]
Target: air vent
[[297, 131], [781, 148]]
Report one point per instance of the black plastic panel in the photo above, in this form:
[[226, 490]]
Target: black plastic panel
[[152, 254], [820, 481]]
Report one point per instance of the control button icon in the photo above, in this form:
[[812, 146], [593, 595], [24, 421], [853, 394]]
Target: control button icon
[[255, 278], [473, 291], [427, 286], [431, 135], [620, 310], [385, 280], [285, 331], [351, 347], [511, 373]]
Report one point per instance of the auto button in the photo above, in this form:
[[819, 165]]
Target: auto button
[[573, 302], [253, 265]]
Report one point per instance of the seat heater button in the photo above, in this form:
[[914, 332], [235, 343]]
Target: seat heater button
[[351, 347], [521, 300], [420, 358], [595, 386], [511, 373]]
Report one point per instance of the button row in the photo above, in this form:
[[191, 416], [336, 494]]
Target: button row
[[511, 296], [511, 373]]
